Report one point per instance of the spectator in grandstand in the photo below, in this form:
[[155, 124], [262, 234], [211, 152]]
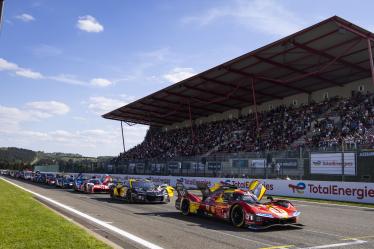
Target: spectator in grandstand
[[324, 125]]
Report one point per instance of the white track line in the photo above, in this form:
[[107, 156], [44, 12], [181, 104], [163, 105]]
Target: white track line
[[355, 242], [329, 204], [330, 234], [117, 230]]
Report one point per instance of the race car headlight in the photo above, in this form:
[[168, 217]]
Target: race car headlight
[[265, 215], [296, 213], [249, 217]]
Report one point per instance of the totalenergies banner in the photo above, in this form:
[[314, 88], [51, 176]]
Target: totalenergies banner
[[328, 190], [332, 163]]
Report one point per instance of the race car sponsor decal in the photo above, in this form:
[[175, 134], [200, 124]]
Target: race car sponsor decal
[[279, 212]]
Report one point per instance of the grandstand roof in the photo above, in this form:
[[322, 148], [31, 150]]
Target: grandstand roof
[[331, 53]]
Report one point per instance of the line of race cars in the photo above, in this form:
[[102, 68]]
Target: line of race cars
[[240, 207]]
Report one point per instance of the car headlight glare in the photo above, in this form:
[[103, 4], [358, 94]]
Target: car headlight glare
[[296, 213], [265, 215]]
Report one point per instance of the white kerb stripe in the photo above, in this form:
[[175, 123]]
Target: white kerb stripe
[[121, 232]]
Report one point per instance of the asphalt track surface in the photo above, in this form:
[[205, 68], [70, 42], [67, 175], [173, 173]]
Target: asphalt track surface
[[324, 226]]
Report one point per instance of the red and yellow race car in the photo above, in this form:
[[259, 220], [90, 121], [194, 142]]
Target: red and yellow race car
[[241, 207]]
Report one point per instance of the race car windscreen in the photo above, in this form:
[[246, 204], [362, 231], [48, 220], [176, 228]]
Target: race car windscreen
[[247, 197], [95, 181], [143, 185]]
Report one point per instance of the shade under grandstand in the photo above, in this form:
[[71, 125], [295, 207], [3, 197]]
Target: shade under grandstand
[[331, 53]]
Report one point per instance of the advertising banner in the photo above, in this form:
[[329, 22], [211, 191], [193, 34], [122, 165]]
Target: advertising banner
[[287, 163], [174, 165], [240, 163], [214, 165], [361, 192], [331, 163], [258, 163]]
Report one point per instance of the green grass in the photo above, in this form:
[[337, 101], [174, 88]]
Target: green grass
[[26, 223], [326, 201]]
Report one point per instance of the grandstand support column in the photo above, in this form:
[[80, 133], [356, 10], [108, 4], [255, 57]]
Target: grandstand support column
[[254, 102], [123, 139], [371, 61], [190, 116]]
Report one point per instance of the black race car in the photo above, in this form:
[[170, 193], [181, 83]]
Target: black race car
[[139, 190]]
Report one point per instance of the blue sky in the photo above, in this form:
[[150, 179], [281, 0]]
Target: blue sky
[[64, 63]]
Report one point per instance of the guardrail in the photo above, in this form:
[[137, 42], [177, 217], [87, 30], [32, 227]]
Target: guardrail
[[360, 192]]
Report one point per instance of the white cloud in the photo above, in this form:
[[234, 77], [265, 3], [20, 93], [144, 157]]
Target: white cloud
[[49, 107], [69, 79], [7, 66], [25, 17], [65, 78], [101, 105], [12, 117], [91, 142], [27, 73], [267, 16], [178, 74], [101, 82], [89, 24], [23, 72]]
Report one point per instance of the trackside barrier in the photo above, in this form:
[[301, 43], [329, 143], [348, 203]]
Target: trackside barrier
[[360, 192]]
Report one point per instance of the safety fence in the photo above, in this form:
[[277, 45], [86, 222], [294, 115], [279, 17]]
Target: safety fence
[[334, 165]]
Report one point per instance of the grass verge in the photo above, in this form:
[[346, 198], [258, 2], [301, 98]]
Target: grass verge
[[346, 203], [26, 223]]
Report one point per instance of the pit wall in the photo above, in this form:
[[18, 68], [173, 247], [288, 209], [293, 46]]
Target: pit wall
[[359, 192]]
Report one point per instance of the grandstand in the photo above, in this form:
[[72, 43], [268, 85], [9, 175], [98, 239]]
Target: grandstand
[[309, 91]]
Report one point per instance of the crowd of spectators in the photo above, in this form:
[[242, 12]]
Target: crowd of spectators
[[351, 124], [348, 120]]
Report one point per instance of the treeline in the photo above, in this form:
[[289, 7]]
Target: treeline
[[15, 158], [19, 159]]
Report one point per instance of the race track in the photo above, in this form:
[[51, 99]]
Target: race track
[[325, 226]]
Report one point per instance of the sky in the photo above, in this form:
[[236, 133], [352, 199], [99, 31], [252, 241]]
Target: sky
[[65, 63]]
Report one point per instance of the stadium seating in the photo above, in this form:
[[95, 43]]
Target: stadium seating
[[323, 125]]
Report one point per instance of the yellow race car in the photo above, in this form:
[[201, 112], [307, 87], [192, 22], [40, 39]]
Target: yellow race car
[[141, 191]]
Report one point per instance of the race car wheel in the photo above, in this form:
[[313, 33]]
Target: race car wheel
[[237, 216], [111, 192], [185, 207], [129, 197]]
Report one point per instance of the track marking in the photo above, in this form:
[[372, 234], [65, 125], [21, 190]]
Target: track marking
[[355, 242], [357, 238], [117, 230], [239, 237], [331, 204], [277, 247], [330, 234]]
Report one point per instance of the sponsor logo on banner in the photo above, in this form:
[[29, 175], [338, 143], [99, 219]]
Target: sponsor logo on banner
[[287, 163], [332, 163], [298, 188]]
